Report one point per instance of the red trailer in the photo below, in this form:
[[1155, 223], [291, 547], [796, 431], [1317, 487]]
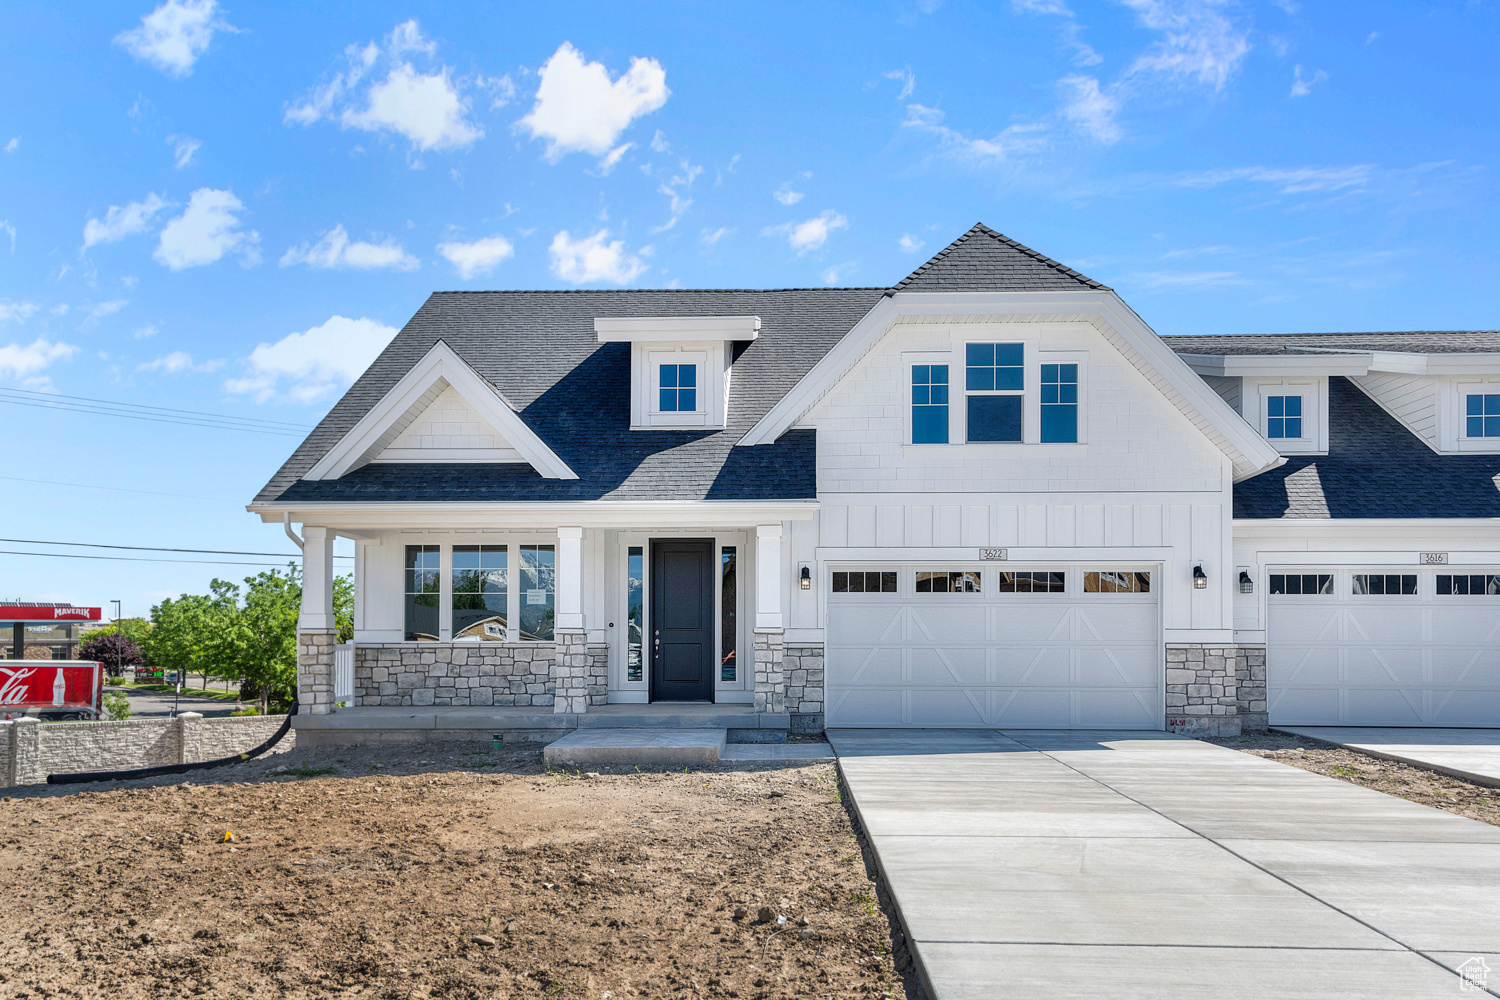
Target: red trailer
[[57, 690]]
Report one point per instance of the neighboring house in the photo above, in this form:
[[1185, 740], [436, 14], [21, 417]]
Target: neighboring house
[[987, 496]]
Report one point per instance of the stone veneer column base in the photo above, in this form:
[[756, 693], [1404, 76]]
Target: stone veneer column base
[[315, 670], [572, 670], [508, 674], [1202, 686], [770, 672], [1250, 674], [803, 667], [598, 676]]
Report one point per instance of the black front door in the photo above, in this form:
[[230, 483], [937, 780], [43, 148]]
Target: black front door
[[682, 620]]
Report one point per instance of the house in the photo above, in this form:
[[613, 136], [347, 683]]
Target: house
[[989, 495]]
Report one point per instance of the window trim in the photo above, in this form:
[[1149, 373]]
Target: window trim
[[1025, 393], [909, 360], [1256, 391]]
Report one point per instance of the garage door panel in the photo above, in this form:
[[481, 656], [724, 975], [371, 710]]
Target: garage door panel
[[938, 708], [942, 624], [1120, 620], [1028, 622], [1308, 706], [1038, 709], [1035, 667], [1384, 666], [1466, 625], [1386, 623], [877, 706], [1115, 667], [1468, 668], [1389, 707], [949, 666], [1475, 709], [1306, 666], [1109, 710], [866, 665]]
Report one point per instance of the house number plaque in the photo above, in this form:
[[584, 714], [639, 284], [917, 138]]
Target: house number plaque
[[1434, 558], [990, 555]]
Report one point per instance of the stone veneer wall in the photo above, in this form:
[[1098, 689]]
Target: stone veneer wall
[[1216, 690], [802, 665], [582, 673], [1250, 678], [31, 750], [770, 672], [315, 671], [458, 673]]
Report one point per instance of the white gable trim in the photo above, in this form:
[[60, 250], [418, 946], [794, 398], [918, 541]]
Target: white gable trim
[[394, 412], [1247, 450]]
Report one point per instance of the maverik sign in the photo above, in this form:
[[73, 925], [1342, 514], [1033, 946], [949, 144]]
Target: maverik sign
[[48, 613]]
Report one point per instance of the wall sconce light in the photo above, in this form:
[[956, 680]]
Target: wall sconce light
[[1200, 581], [806, 579], [1247, 585]]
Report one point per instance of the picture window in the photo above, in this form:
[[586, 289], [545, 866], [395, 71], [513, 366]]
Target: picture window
[[1301, 583], [948, 582]]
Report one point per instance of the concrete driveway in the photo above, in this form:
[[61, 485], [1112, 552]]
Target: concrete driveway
[[1471, 754], [1142, 865]]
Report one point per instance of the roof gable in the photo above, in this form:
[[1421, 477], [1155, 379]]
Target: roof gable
[[982, 260]]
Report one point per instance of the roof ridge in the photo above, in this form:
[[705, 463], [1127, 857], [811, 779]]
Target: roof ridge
[[621, 291], [980, 229]]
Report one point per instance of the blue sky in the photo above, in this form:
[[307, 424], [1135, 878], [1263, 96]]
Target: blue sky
[[231, 207]]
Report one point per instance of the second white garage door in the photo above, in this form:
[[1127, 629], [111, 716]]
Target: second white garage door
[[939, 646], [1383, 648]]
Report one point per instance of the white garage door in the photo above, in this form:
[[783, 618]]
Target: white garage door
[[1383, 648], [943, 646]]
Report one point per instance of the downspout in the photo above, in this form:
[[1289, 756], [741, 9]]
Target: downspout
[[286, 524]]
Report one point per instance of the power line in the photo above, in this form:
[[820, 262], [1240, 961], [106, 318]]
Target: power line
[[190, 562], [155, 548], [117, 489], [153, 414]]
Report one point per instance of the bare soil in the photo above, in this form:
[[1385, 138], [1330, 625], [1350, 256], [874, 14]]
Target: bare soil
[[1416, 784], [443, 871]]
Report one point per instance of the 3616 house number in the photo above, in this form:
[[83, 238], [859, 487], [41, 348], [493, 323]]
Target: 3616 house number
[[1434, 558]]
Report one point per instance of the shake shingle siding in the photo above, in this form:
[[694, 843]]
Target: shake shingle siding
[[539, 350], [1374, 468]]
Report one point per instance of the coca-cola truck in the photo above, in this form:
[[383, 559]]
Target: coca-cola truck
[[56, 690]]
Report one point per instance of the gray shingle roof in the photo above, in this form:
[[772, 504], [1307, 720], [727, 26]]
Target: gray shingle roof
[[983, 260], [540, 351], [1414, 341], [1374, 468]]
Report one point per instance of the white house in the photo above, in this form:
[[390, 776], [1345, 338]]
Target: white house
[[987, 496]]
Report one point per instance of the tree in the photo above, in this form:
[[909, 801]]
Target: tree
[[343, 607], [264, 634], [112, 650]]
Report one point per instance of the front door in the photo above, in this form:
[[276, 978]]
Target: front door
[[682, 620]]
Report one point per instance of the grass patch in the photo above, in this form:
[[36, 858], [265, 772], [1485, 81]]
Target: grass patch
[[308, 771], [217, 695]]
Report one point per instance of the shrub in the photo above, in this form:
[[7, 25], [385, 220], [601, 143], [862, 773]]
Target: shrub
[[117, 705], [111, 650]]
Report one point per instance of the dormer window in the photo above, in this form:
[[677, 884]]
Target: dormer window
[[1284, 417], [680, 366], [1481, 415]]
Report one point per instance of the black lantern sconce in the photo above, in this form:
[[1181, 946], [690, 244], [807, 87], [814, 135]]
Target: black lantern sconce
[[1247, 585], [1200, 580], [805, 580]]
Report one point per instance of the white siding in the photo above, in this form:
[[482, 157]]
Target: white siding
[[448, 429], [1229, 387]]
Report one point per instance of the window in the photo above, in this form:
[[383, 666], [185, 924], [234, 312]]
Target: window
[[1471, 585], [1303, 583], [1116, 582], [729, 622], [947, 582], [1284, 417], [678, 392], [480, 592], [864, 582], [1032, 582], [423, 564], [1385, 583], [635, 610], [994, 378], [1059, 403], [1481, 415], [538, 591], [929, 404]]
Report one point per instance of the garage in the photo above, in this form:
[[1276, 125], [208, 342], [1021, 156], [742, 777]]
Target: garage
[[1383, 647], [1050, 647]]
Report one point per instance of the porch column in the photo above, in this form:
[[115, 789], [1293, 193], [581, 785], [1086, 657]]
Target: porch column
[[316, 631], [571, 663], [770, 673]]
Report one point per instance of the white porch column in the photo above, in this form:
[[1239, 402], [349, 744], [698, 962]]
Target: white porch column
[[317, 580], [768, 576], [569, 580]]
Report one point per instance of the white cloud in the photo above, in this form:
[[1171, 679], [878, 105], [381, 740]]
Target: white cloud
[[108, 308], [9, 230], [309, 365], [174, 35], [805, 237], [591, 258], [1091, 109], [909, 243], [838, 272], [1012, 141], [1301, 180], [183, 148], [61, 309], [13, 145], [659, 143], [1042, 7], [18, 311], [613, 157], [478, 257], [206, 231], [1200, 40], [710, 237], [908, 81], [676, 190], [502, 89], [786, 195], [335, 251], [122, 222], [21, 360], [1301, 85], [426, 108], [178, 362], [145, 332], [1188, 279], [579, 109], [1369, 39]]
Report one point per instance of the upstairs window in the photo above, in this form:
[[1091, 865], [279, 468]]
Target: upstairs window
[[1481, 415], [679, 389], [929, 404], [995, 380], [1059, 403], [1284, 417]]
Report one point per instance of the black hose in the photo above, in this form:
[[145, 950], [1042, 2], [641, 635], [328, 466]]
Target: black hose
[[156, 772]]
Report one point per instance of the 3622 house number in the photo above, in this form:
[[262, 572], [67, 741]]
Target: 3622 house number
[[991, 555]]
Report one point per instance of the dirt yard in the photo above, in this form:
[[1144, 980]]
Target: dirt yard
[[443, 871], [1414, 783]]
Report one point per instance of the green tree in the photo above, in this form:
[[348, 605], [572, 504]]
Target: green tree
[[343, 607], [264, 634]]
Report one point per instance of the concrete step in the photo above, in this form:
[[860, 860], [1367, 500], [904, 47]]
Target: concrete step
[[781, 753], [671, 747]]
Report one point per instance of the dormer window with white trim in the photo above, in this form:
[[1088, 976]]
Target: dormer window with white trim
[[680, 366], [1290, 413]]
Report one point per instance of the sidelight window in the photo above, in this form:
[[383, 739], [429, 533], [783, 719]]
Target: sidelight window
[[729, 622], [635, 611], [423, 566]]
